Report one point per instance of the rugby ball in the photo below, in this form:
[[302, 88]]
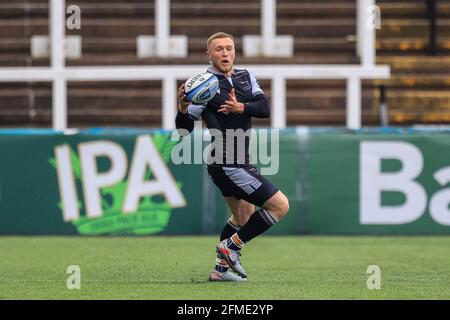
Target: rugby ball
[[201, 88]]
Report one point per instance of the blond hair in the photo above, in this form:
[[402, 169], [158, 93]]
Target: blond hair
[[218, 35]]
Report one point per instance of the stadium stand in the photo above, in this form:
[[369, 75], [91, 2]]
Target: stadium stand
[[418, 91]]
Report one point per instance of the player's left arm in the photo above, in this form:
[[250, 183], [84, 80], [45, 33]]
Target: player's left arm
[[258, 107]]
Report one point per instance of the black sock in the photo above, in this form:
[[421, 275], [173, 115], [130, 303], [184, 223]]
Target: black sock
[[259, 222], [229, 229]]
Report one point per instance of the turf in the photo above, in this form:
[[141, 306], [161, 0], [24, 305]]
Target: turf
[[308, 267]]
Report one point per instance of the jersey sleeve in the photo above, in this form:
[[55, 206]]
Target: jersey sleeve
[[256, 89], [195, 111]]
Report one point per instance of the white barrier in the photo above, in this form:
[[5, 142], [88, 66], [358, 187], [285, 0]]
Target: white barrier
[[278, 74], [162, 45], [366, 28], [268, 44], [168, 74]]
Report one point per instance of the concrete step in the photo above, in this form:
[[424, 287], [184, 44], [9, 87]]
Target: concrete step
[[76, 119], [134, 27], [421, 82], [185, 9], [417, 9], [416, 63], [131, 59], [123, 28], [20, 10], [213, 9], [389, 45], [412, 28], [423, 117]]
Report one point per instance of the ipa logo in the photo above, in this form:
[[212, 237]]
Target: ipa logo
[[118, 198], [373, 182]]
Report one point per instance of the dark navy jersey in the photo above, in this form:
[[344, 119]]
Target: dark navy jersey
[[232, 126]]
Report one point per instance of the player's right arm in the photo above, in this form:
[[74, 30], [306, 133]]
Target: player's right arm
[[187, 112], [183, 121]]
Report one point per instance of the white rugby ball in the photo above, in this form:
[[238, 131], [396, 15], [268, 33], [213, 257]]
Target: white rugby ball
[[201, 88]]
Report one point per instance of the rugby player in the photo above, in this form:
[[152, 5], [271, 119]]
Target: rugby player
[[238, 99]]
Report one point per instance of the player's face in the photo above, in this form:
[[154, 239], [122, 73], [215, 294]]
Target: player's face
[[221, 54]]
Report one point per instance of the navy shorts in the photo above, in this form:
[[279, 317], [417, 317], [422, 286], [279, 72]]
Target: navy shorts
[[242, 183]]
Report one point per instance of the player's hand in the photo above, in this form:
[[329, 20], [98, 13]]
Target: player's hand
[[232, 105], [182, 101]]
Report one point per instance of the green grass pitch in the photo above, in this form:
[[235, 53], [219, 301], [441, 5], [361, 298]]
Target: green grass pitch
[[304, 267]]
